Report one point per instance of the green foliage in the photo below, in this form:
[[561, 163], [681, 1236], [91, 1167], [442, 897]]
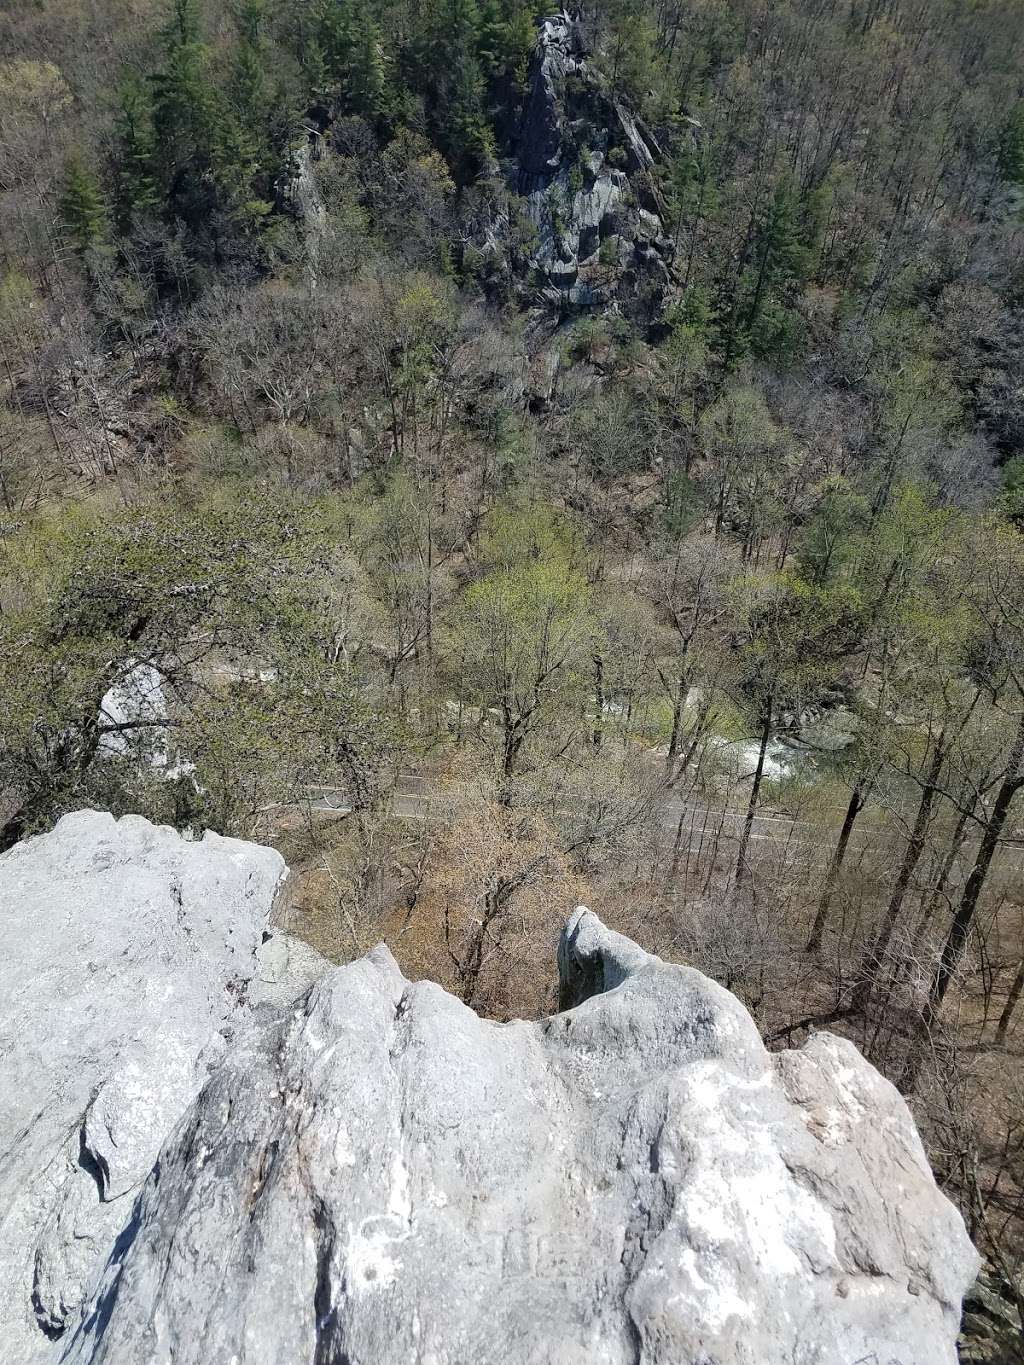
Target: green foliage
[[608, 253], [588, 336], [909, 573], [82, 208], [916, 401], [691, 190], [515, 441], [350, 42], [222, 604], [782, 258], [683, 503], [686, 351], [507, 40], [525, 532], [793, 638], [1011, 145], [737, 429], [136, 192], [446, 63], [830, 538], [521, 633], [635, 59], [203, 146], [184, 116], [778, 332]]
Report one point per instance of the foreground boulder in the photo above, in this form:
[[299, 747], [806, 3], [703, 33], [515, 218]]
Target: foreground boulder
[[129, 954], [377, 1175], [382, 1176]]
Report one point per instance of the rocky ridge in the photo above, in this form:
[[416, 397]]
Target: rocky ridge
[[582, 164], [375, 1174]]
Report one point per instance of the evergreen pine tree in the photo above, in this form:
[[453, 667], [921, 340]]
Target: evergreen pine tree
[[490, 36], [211, 137], [367, 78], [353, 51], [314, 68], [335, 32], [465, 130], [246, 159], [82, 209], [781, 259], [136, 190], [184, 116], [250, 86]]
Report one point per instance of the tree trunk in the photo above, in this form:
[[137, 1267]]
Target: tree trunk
[[720, 506], [956, 843], [856, 805], [964, 917], [678, 707], [697, 733], [429, 642], [762, 274], [755, 790], [694, 224], [510, 750], [598, 699], [1011, 1004], [876, 954]]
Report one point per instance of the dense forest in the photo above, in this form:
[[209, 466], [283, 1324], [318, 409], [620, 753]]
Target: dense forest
[[508, 463]]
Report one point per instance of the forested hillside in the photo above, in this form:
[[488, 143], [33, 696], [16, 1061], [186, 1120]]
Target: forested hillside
[[586, 451]]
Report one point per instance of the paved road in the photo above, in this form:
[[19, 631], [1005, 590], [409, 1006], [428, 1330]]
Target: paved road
[[412, 801], [700, 823]]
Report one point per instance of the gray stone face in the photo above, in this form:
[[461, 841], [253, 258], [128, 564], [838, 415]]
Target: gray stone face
[[127, 959], [559, 53], [378, 1175], [578, 197]]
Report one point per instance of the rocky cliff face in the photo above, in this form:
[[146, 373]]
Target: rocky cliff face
[[583, 164], [129, 957], [377, 1175]]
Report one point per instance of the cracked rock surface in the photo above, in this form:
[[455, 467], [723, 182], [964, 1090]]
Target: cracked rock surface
[[582, 161], [129, 957], [378, 1175]]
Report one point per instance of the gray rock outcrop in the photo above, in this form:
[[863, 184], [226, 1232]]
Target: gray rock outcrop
[[582, 163], [378, 1175], [129, 956]]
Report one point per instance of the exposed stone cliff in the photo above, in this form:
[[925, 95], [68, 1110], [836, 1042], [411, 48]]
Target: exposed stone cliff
[[583, 167], [375, 1174]]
